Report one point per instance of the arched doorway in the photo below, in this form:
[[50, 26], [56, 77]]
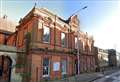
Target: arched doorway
[[5, 68]]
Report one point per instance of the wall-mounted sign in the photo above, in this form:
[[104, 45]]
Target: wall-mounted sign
[[56, 66]]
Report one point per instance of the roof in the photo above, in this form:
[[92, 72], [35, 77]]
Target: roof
[[44, 11]]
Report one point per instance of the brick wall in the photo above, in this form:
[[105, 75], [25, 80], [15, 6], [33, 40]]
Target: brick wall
[[37, 65], [2, 38], [11, 40]]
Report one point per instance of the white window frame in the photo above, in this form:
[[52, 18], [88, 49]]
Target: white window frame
[[47, 75], [48, 29], [62, 39]]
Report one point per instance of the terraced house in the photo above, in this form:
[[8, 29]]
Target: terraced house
[[50, 44]]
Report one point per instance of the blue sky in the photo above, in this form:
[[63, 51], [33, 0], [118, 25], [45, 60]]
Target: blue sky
[[100, 19]]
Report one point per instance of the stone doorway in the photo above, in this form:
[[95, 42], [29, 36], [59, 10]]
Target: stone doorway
[[5, 68]]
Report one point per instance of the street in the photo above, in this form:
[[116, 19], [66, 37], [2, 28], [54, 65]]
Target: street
[[115, 77]]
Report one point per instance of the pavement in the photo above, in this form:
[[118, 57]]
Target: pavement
[[114, 77], [91, 77]]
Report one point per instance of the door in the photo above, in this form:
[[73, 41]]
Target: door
[[5, 68]]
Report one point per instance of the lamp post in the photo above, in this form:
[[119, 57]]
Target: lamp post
[[78, 49]]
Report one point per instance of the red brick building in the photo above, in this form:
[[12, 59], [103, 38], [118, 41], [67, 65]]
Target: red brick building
[[53, 46], [7, 57]]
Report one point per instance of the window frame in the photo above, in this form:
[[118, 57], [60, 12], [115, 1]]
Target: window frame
[[64, 69], [45, 35], [48, 66], [76, 42], [62, 39]]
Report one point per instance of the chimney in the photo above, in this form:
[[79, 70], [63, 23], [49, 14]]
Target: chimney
[[5, 17]]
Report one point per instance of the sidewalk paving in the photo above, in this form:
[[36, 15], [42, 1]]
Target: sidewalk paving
[[88, 77], [93, 76]]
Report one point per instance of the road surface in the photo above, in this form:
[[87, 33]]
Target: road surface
[[114, 77]]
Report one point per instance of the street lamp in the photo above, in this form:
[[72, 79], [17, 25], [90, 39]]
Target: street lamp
[[78, 54], [79, 10]]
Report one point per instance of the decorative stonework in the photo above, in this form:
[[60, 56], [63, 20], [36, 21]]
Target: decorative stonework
[[74, 20], [47, 20]]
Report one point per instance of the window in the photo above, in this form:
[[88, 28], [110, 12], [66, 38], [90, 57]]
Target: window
[[64, 67], [63, 39], [46, 67], [76, 43], [46, 34]]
